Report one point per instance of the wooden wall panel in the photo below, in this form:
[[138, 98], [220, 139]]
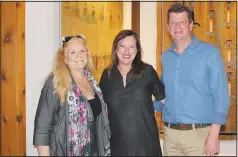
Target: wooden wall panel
[[211, 25], [135, 14], [13, 142], [228, 35], [217, 30], [199, 21], [99, 22], [158, 58], [0, 83]]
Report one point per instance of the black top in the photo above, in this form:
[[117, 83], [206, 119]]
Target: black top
[[131, 113], [96, 106]]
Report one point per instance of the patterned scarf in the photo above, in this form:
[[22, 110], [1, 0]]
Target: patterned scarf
[[80, 115]]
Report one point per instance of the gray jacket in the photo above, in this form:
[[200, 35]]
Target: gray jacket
[[51, 123]]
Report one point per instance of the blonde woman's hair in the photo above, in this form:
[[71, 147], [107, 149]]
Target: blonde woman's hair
[[61, 71]]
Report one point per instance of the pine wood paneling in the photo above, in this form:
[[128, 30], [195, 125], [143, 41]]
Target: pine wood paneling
[[13, 140]]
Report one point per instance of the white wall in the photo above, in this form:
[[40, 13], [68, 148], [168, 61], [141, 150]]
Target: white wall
[[127, 7], [148, 31], [42, 41]]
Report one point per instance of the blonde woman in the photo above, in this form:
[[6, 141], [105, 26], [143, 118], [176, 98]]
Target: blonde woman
[[71, 116]]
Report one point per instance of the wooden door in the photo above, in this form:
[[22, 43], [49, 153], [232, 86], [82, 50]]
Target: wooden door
[[13, 119], [215, 23], [135, 14]]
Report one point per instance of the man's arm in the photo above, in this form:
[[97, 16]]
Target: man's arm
[[219, 92], [218, 88]]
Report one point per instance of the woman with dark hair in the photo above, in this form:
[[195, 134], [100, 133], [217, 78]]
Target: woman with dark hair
[[128, 85]]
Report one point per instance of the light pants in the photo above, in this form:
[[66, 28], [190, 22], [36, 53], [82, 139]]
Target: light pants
[[184, 142]]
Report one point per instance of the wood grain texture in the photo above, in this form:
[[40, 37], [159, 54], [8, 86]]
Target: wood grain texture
[[13, 124], [135, 14]]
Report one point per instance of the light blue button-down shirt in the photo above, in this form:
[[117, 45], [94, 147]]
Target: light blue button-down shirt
[[196, 85]]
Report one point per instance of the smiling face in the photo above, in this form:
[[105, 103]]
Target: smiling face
[[76, 54], [179, 26], [126, 50]]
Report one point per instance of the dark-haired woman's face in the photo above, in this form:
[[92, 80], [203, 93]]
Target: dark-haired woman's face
[[127, 50]]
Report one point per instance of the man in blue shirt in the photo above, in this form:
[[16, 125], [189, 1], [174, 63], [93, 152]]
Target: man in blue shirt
[[197, 100]]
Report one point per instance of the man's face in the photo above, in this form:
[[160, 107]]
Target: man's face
[[179, 26]]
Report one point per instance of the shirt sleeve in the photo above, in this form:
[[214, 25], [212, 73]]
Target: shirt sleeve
[[43, 124], [218, 88], [158, 106], [157, 86]]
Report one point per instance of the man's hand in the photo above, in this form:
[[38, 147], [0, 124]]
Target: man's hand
[[212, 146], [212, 143]]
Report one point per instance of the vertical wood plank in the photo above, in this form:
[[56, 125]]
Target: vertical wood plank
[[8, 70], [158, 115], [0, 81], [136, 17], [20, 93], [159, 38], [13, 68], [166, 36]]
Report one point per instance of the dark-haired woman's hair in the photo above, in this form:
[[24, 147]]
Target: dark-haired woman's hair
[[137, 63]]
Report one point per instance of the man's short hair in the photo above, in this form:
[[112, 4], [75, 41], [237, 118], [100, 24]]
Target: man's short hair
[[179, 8]]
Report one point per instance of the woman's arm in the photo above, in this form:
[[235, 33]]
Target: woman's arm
[[158, 89], [43, 150], [43, 125]]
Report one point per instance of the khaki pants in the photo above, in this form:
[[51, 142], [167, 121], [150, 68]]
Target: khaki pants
[[184, 142]]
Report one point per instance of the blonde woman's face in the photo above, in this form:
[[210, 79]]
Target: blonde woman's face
[[76, 55]]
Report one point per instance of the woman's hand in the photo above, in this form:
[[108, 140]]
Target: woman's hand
[[43, 150], [162, 101]]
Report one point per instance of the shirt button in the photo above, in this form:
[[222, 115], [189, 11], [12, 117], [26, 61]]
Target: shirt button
[[177, 68]]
